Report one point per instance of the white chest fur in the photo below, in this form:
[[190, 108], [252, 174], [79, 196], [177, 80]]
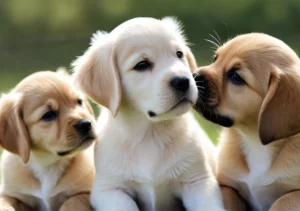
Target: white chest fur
[[149, 163], [48, 176], [255, 188]]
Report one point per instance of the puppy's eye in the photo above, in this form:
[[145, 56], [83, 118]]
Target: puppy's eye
[[79, 102], [142, 66], [179, 54], [49, 116], [235, 78]]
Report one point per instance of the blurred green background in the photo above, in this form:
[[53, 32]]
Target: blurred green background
[[39, 34]]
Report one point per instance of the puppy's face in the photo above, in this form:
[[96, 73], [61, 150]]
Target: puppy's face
[[46, 113], [246, 82], [152, 64]]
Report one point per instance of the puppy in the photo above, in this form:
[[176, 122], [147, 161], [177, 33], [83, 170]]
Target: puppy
[[151, 150], [252, 90], [47, 129]]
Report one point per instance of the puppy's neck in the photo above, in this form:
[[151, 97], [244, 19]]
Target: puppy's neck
[[41, 160], [133, 123], [248, 132]]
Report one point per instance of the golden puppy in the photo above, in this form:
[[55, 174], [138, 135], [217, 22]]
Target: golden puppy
[[46, 127], [252, 88], [152, 151]]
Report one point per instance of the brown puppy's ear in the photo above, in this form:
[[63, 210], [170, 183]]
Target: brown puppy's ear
[[13, 134], [280, 112], [97, 75], [191, 60]]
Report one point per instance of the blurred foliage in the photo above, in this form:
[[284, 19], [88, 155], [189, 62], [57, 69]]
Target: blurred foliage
[[40, 34]]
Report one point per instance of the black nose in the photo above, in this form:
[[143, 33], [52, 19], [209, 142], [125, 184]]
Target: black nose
[[83, 127], [180, 83]]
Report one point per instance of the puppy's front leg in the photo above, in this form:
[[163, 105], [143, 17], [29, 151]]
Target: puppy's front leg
[[80, 202], [200, 192], [113, 200], [12, 204], [290, 202]]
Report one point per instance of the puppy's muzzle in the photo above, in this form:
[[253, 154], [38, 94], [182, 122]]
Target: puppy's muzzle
[[207, 101], [180, 83], [83, 127]]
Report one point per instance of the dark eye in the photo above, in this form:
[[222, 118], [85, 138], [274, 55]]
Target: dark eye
[[179, 54], [49, 116], [235, 78], [142, 66], [215, 58], [79, 101]]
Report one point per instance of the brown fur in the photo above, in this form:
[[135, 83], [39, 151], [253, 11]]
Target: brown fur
[[266, 116], [24, 134]]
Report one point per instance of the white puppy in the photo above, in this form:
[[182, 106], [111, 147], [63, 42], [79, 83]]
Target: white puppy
[[151, 150]]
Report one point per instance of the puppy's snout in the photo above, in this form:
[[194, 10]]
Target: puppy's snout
[[83, 127], [181, 83]]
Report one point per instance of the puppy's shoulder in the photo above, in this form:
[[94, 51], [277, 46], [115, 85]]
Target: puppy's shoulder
[[16, 173]]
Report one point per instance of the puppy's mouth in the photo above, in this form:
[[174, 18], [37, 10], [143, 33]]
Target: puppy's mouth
[[87, 141], [212, 115], [182, 102], [207, 102]]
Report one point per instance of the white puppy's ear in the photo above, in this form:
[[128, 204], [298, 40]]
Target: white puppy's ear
[[280, 111], [13, 134], [191, 60], [97, 75]]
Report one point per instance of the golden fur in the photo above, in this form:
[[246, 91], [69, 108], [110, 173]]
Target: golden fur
[[259, 152], [47, 164]]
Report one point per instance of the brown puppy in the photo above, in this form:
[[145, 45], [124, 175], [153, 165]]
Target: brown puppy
[[47, 129], [253, 88]]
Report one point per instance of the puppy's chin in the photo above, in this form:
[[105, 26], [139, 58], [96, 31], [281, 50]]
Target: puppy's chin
[[85, 143], [177, 110], [212, 115]]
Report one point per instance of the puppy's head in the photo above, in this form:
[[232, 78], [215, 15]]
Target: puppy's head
[[254, 80], [45, 112], [143, 63]]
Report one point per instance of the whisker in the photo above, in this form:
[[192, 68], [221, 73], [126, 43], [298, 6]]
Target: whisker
[[220, 41], [212, 42]]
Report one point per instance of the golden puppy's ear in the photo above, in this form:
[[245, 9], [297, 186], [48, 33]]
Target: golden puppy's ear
[[13, 134], [191, 60], [97, 75], [280, 112], [89, 106]]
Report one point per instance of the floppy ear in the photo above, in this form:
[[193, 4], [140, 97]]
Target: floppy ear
[[97, 75], [89, 106], [280, 112], [13, 134], [191, 60]]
